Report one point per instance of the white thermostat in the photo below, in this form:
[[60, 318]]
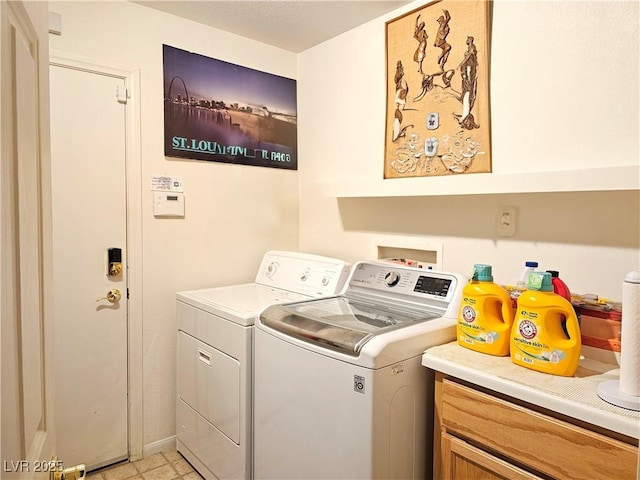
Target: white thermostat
[[168, 204]]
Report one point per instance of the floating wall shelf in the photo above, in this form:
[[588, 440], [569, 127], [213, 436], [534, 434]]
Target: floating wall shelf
[[580, 180]]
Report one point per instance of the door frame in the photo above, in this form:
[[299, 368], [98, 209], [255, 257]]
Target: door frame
[[133, 178]]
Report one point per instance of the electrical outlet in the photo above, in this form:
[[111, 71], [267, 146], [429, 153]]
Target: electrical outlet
[[506, 225]]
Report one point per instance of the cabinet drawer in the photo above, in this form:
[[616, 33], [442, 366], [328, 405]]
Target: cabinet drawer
[[540, 442], [466, 461]]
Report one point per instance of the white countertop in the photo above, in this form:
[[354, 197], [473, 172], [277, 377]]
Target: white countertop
[[576, 396]]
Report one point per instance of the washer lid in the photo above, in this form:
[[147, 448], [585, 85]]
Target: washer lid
[[339, 323]]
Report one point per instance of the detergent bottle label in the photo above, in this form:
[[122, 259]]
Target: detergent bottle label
[[470, 328], [485, 315], [528, 345]]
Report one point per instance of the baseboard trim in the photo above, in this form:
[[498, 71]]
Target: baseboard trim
[[163, 445]]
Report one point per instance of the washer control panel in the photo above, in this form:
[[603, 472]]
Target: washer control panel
[[379, 277]]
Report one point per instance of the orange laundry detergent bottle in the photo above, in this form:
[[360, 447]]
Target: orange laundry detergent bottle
[[486, 314], [538, 340]]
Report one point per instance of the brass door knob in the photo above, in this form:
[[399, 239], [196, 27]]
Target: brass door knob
[[113, 296]]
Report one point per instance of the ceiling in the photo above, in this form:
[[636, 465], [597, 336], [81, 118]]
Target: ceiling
[[290, 25]]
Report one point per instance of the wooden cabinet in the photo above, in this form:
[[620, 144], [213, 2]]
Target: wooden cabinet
[[483, 435]]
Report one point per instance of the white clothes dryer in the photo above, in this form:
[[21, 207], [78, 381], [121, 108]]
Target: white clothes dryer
[[215, 342], [340, 392]]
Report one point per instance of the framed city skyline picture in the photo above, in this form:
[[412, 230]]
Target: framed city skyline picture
[[221, 112], [437, 99]]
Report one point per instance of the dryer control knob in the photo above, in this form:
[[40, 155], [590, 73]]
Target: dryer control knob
[[271, 269], [391, 279], [325, 281]]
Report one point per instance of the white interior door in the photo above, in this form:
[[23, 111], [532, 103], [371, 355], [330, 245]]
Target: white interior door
[[89, 217], [28, 424]]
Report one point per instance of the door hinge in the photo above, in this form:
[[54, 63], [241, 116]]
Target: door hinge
[[127, 294], [122, 94]]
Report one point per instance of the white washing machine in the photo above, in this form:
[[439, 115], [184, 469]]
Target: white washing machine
[[339, 388], [215, 340]]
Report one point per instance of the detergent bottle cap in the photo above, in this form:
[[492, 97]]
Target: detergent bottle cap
[[540, 281], [554, 273], [531, 264], [482, 273]]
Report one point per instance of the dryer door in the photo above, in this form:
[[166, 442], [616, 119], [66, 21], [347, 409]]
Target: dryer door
[[209, 382]]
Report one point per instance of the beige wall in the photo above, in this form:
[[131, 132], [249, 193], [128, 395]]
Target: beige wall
[[564, 95], [234, 213]]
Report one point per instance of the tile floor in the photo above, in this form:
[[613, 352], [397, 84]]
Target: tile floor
[[161, 466]]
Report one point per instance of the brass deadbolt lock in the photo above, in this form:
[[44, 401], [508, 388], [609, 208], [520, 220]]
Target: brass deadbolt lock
[[115, 262], [115, 269]]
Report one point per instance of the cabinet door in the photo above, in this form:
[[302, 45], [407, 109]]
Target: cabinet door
[[464, 461]]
